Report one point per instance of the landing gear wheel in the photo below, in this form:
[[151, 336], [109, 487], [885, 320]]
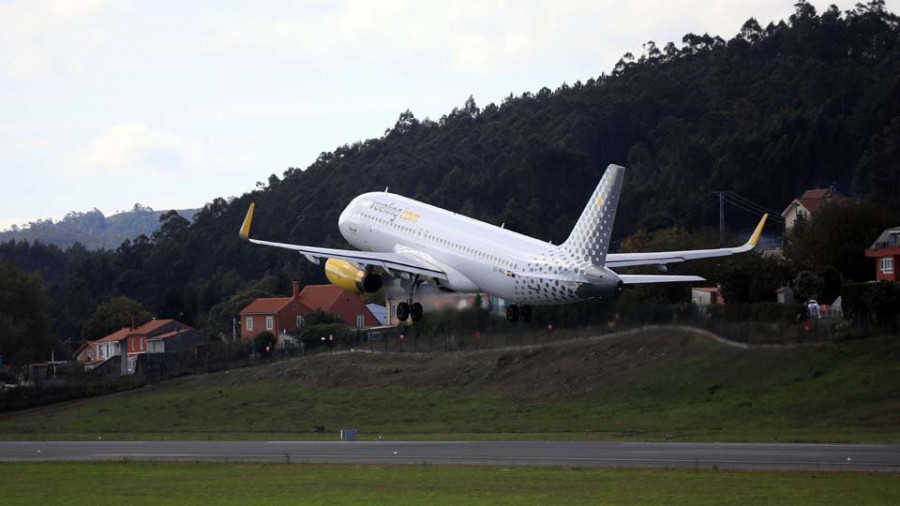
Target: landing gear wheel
[[512, 313], [415, 311], [525, 313], [403, 311]]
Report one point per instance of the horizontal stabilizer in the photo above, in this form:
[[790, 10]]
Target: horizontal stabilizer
[[636, 279]]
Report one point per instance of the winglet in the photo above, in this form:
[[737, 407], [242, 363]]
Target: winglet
[[245, 227], [756, 233]]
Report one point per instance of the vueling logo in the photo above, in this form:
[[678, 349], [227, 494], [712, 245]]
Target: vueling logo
[[394, 212]]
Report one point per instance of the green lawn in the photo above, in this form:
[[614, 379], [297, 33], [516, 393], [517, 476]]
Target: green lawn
[[244, 484], [638, 389]]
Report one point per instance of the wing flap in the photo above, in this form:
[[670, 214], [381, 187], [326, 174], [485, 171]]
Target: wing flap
[[390, 261], [637, 279]]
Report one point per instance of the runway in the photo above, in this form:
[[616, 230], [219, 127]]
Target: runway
[[744, 456]]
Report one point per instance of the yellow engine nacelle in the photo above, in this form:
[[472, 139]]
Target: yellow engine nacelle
[[347, 276]]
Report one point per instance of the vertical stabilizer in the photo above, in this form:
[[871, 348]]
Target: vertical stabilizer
[[589, 240]]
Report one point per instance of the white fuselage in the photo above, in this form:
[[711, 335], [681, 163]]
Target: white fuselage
[[477, 256]]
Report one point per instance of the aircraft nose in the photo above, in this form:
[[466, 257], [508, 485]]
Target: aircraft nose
[[348, 219], [344, 221]]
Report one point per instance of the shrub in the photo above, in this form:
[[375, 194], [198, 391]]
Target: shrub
[[264, 343]]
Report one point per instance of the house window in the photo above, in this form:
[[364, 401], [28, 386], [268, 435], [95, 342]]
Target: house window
[[102, 351], [299, 321], [887, 265], [249, 323], [270, 322], [360, 321]]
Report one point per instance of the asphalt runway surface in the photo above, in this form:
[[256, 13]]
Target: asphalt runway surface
[[745, 456]]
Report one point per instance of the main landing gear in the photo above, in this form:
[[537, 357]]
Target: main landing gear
[[410, 309], [514, 312]]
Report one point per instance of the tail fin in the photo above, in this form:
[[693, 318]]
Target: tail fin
[[589, 240]]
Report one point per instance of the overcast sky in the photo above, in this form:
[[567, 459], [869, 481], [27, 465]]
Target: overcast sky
[[170, 104]]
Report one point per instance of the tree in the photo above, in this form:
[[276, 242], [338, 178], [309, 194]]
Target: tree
[[808, 285], [837, 237], [24, 325], [220, 319], [112, 315], [320, 317], [264, 343], [831, 285], [752, 278], [774, 111]]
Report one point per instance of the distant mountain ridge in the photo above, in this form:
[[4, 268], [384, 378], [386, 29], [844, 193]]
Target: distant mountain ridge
[[92, 229]]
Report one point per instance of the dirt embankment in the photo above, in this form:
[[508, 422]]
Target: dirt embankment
[[570, 369]]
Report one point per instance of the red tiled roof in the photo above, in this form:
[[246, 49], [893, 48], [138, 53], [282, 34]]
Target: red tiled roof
[[813, 200], [270, 305], [152, 325], [322, 296], [174, 333], [115, 336]]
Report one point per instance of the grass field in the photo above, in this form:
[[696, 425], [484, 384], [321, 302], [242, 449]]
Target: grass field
[[244, 484], [645, 387]]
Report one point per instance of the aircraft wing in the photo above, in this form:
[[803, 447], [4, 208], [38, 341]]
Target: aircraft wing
[[389, 261], [667, 257], [639, 279]]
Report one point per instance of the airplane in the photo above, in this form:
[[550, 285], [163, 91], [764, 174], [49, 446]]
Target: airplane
[[416, 243]]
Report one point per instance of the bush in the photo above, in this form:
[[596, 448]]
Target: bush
[[770, 312], [264, 343], [877, 303]]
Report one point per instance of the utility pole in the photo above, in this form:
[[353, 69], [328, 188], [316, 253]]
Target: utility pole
[[233, 329], [721, 218]]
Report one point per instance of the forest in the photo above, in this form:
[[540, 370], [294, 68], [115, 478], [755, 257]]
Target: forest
[[810, 101], [91, 229]]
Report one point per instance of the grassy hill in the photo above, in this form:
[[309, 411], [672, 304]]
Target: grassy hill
[[653, 384], [92, 229]]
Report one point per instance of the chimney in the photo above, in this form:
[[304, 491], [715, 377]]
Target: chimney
[[296, 293]]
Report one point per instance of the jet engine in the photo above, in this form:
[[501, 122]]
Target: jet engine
[[349, 277]]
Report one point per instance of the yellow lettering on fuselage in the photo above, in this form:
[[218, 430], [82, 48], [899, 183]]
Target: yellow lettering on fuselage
[[409, 216]]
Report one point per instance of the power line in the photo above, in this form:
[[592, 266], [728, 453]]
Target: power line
[[754, 209], [696, 210], [699, 206], [762, 209]]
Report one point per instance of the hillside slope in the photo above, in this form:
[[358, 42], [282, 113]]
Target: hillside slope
[[767, 114], [654, 384], [92, 229]]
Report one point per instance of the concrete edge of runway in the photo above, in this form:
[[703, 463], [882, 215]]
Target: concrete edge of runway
[[696, 456]]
